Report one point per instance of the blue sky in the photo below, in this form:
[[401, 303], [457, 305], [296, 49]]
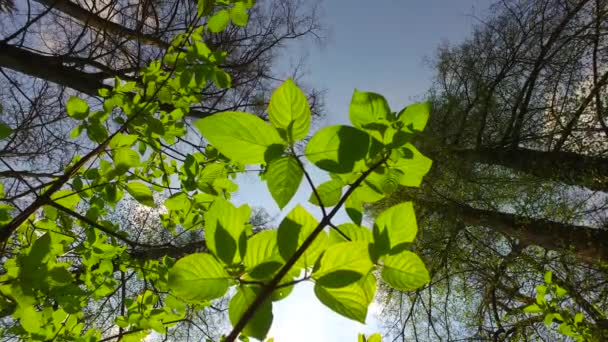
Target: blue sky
[[378, 46]]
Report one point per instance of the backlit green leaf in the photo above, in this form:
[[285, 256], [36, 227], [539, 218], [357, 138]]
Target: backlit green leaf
[[534, 308], [415, 116], [283, 178], [242, 137], [289, 111], [394, 227], [404, 271], [343, 264], [337, 148], [352, 231], [198, 277], [262, 258], [219, 21], [330, 193], [293, 230], [350, 301], [225, 230], [368, 109], [77, 108], [123, 140], [239, 15], [413, 168], [66, 198], [141, 193], [125, 158], [354, 208], [261, 321]]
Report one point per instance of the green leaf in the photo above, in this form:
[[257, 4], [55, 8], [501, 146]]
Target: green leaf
[[219, 21], [283, 179], [330, 193], [198, 277], [374, 338], [205, 7], [225, 230], [179, 201], [343, 264], [404, 271], [123, 140], [337, 148], [239, 15], [66, 198], [261, 321], [415, 116], [368, 109], [29, 319], [77, 108], [125, 158], [395, 227], [242, 137], [262, 258], [350, 301], [289, 111], [534, 308], [293, 230], [353, 231], [548, 276], [141, 193], [412, 169], [354, 207], [5, 130]]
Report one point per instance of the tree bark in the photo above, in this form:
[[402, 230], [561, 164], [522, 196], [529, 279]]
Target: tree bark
[[93, 20], [566, 167], [588, 244]]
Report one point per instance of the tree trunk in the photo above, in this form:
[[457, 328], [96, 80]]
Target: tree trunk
[[566, 167], [588, 244]]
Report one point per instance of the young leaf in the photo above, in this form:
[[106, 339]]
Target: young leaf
[[219, 21], [292, 232], [261, 321], [330, 193], [283, 179], [337, 148], [395, 226], [415, 116], [242, 137], [66, 198], [404, 271], [141, 193], [343, 264], [368, 109], [225, 230], [289, 111], [411, 164], [262, 258], [178, 202], [125, 158], [350, 301], [239, 15], [198, 277], [533, 308], [354, 207], [123, 140], [352, 231], [77, 108]]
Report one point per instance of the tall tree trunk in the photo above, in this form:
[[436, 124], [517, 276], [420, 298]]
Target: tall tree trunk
[[588, 244], [566, 167]]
